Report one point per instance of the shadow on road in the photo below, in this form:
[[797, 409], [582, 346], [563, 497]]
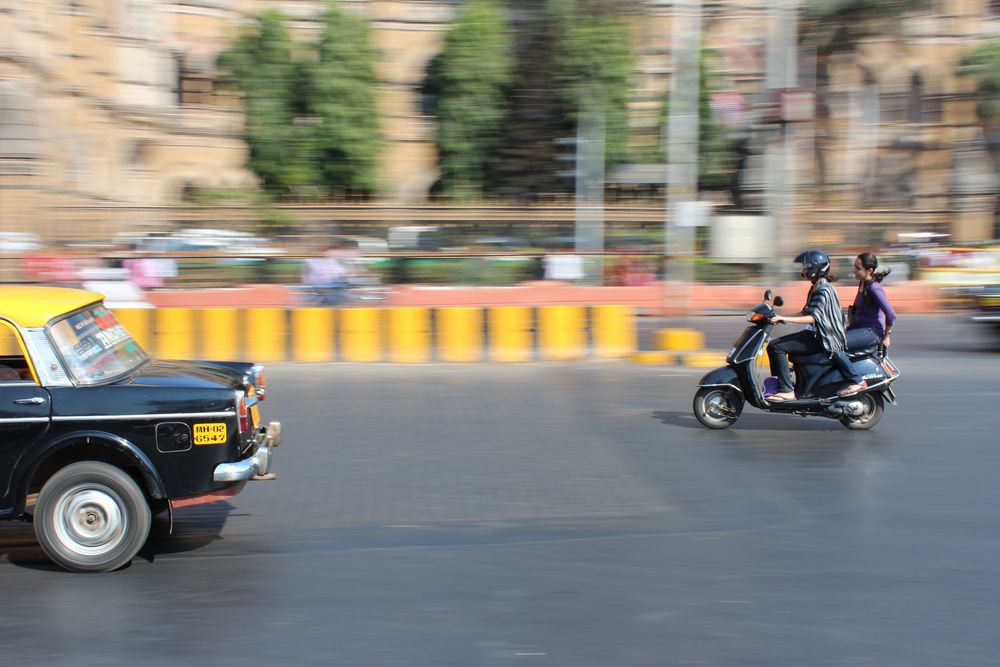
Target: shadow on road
[[751, 422], [194, 528]]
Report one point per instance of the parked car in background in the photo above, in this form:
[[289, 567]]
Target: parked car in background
[[96, 437], [415, 237]]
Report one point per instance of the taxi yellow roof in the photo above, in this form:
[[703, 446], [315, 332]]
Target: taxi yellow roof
[[30, 306]]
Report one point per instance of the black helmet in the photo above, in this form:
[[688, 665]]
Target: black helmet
[[815, 263]]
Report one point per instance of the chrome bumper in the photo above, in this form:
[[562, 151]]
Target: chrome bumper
[[257, 464]]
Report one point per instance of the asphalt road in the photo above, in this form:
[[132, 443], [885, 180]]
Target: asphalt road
[[563, 514]]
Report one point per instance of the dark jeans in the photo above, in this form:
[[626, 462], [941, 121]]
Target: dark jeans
[[798, 344], [861, 337]]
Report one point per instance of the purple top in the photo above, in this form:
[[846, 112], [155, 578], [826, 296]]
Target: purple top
[[876, 316]]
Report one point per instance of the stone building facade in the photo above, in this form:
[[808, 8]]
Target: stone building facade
[[112, 104]]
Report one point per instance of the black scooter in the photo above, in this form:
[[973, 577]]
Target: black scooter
[[723, 392]]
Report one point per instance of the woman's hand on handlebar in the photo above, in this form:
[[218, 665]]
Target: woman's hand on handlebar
[[777, 319]]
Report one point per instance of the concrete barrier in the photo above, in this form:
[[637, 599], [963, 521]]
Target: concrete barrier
[[402, 335], [459, 334]]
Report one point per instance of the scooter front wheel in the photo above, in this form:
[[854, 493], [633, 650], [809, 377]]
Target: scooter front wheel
[[717, 407]]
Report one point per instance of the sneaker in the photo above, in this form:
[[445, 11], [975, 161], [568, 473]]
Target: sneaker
[[852, 389]]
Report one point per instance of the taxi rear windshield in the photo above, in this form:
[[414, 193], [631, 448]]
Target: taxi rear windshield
[[95, 347]]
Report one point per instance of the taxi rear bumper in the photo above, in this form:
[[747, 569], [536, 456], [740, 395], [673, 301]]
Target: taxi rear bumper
[[258, 464]]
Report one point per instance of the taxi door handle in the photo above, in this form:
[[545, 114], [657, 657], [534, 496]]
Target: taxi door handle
[[34, 400]]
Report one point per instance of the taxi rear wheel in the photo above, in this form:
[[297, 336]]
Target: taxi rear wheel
[[91, 517]]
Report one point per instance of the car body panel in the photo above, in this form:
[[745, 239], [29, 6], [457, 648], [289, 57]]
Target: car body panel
[[171, 423]]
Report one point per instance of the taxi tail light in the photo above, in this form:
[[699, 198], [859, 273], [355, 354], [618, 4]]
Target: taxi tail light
[[244, 414], [260, 385]]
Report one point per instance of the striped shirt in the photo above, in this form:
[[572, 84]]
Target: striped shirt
[[824, 306]]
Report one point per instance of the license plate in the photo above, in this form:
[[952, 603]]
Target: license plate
[[210, 434]]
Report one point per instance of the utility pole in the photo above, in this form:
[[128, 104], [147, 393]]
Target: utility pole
[[681, 141], [781, 77], [589, 236]]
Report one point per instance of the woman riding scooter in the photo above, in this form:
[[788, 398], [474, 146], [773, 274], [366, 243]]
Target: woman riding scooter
[[826, 333], [872, 315]]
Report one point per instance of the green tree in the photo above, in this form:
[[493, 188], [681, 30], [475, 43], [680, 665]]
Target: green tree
[[983, 64], [259, 65], [340, 90], [472, 75], [593, 64], [840, 23]]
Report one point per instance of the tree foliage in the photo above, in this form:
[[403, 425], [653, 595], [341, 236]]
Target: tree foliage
[[259, 65], [594, 62], [840, 23], [311, 124], [471, 78], [983, 63], [340, 92]]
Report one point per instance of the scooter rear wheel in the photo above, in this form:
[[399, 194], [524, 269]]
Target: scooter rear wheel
[[874, 406], [717, 407]]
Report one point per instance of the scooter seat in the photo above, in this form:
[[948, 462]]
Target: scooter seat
[[863, 352], [824, 358]]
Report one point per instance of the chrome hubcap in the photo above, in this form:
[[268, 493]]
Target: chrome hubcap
[[89, 520], [717, 407]]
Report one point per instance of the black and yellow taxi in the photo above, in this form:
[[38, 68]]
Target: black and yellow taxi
[[986, 304], [96, 437]]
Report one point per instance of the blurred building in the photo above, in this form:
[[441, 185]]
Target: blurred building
[[109, 103], [110, 107]]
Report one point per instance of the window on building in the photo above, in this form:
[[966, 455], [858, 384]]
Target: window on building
[[18, 133], [915, 101], [195, 87]]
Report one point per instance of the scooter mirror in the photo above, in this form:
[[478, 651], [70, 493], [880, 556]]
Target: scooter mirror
[[778, 302], [767, 295]]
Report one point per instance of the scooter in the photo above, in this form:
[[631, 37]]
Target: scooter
[[722, 393]]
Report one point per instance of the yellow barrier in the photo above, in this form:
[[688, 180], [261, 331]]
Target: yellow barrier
[[680, 340], [219, 334], [174, 333], [410, 335], [312, 334], [137, 322], [561, 334], [266, 334], [460, 334], [360, 334], [614, 331], [510, 334]]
